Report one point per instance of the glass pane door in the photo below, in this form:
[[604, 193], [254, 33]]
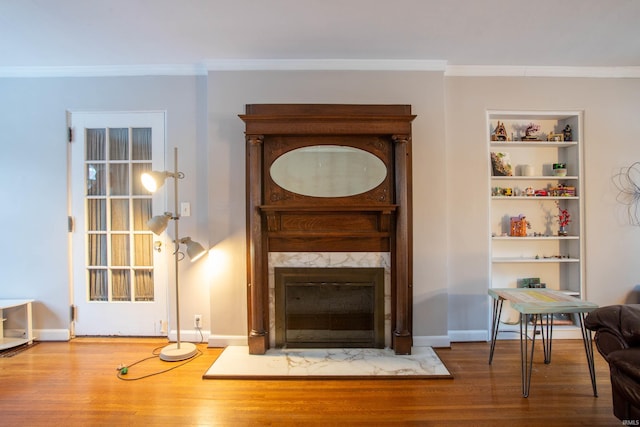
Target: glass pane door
[[119, 267], [119, 246]]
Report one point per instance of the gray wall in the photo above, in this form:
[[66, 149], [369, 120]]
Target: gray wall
[[451, 244], [610, 142], [34, 178]]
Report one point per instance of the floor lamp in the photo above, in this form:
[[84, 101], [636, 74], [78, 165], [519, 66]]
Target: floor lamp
[[152, 181]]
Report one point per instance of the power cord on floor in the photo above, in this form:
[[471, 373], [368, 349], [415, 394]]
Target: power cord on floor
[[124, 369], [199, 329]]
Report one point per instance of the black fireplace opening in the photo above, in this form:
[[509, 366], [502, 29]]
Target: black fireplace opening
[[329, 307]]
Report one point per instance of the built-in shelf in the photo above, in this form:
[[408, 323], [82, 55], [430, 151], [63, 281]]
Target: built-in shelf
[[538, 144], [534, 260], [538, 198], [518, 169], [572, 293], [533, 178], [535, 238]]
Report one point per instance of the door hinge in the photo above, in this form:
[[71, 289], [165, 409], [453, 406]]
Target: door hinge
[[70, 134], [74, 313], [70, 224]]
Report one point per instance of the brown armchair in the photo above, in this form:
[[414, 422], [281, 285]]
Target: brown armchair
[[617, 337]]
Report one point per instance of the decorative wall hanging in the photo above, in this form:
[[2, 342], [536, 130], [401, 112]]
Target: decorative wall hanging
[[628, 183]]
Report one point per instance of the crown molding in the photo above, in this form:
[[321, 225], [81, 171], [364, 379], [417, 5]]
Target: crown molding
[[540, 71], [326, 64], [320, 65], [105, 71], [224, 65]]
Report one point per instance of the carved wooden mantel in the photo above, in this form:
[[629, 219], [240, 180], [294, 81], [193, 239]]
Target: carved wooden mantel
[[378, 220]]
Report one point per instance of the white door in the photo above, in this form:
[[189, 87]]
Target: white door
[[119, 277]]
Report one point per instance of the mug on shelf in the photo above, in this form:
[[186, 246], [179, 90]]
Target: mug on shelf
[[560, 169]]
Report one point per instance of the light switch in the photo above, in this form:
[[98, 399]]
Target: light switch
[[185, 209]]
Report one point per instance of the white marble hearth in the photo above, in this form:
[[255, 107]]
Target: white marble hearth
[[235, 362]]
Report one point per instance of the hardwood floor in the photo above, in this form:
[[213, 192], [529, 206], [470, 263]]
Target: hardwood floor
[[75, 383]]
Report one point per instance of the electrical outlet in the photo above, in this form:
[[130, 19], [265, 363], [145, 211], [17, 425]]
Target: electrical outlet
[[185, 209], [197, 321]]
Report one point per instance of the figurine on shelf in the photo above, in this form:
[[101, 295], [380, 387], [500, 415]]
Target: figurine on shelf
[[501, 164], [567, 133], [563, 190], [530, 132], [557, 137], [500, 134], [519, 226], [564, 218]]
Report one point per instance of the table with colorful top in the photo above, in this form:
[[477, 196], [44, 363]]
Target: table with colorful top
[[538, 305]]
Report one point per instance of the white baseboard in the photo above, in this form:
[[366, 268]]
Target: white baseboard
[[226, 340], [431, 341], [469, 335], [65, 335], [52, 334], [190, 335], [512, 332]]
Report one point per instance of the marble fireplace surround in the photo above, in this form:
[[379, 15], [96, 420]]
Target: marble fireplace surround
[[331, 260]]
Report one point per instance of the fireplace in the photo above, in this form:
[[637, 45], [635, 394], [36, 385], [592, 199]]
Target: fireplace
[[329, 179], [329, 307]]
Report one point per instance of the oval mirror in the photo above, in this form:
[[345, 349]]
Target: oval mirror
[[328, 171]]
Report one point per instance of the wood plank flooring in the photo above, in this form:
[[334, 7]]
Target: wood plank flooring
[[75, 384]]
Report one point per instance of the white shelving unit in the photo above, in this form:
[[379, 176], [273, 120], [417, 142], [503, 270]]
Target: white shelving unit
[[16, 326], [557, 260]]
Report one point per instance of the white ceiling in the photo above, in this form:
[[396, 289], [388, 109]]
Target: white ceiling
[[558, 33]]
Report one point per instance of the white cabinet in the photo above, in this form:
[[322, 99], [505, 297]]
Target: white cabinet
[[527, 195], [16, 326]]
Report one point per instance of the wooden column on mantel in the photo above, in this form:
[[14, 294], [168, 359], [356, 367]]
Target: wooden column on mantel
[[256, 250], [402, 257], [378, 220]]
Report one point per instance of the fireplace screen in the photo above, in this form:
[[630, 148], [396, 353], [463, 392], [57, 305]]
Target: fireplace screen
[[329, 307]]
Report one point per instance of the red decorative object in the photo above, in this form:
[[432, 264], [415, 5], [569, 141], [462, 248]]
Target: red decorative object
[[564, 218]]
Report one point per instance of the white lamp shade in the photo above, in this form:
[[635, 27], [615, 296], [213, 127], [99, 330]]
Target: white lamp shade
[[159, 223], [194, 249], [153, 180]]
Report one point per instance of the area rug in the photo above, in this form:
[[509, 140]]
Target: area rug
[[235, 362]]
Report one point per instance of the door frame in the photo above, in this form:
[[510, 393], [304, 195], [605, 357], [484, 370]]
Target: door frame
[[77, 229]]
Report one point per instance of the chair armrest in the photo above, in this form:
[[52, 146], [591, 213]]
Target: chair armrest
[[617, 327], [608, 342]]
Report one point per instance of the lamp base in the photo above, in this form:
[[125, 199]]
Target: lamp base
[[175, 353]]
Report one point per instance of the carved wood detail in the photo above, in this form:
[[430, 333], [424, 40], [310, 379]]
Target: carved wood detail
[[378, 220]]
